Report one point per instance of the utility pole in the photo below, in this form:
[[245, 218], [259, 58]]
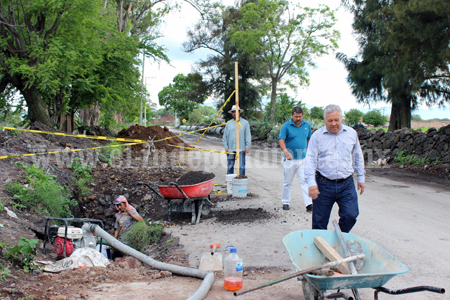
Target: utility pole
[[146, 102], [142, 87]]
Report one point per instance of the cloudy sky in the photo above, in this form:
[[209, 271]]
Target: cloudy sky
[[327, 81]]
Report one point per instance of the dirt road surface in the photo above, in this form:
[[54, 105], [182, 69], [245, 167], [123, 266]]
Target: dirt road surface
[[410, 220]]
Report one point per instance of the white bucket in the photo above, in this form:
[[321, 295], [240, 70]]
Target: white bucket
[[229, 179], [240, 187]]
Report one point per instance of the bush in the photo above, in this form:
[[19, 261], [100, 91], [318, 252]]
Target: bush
[[272, 137], [141, 235], [23, 253], [82, 170], [43, 193], [409, 159], [262, 130], [107, 155]]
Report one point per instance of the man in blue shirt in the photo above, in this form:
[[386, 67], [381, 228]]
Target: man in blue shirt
[[229, 142], [293, 139], [334, 153]]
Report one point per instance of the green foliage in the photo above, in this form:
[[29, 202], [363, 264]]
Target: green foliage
[[403, 158], [353, 116], [377, 128], [403, 57], [416, 118], [316, 113], [213, 33], [273, 135], [283, 109], [23, 253], [63, 57], [262, 130], [315, 123], [184, 94], [42, 193], [3, 273], [82, 178], [83, 170], [2, 205], [375, 118], [109, 154], [207, 111], [141, 235], [286, 42], [195, 117]]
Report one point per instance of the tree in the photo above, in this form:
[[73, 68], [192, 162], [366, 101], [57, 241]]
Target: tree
[[286, 40], [40, 44], [195, 116], [207, 111], [353, 116], [283, 109], [404, 55], [416, 118], [375, 118], [213, 33], [316, 113], [184, 94]]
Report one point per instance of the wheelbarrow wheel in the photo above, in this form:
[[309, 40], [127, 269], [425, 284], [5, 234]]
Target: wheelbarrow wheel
[[206, 208], [309, 291]]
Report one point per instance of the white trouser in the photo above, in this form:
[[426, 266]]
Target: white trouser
[[290, 168]]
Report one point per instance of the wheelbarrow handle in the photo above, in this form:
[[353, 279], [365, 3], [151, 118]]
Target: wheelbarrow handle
[[296, 274], [150, 187], [178, 187]]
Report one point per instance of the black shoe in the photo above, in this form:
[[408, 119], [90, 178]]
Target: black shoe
[[285, 206], [309, 208]]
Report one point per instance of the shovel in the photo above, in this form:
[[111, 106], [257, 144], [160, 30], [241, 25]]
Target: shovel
[[211, 261]]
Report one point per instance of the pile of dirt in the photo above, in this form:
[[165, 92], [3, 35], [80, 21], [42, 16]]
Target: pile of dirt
[[154, 133], [94, 130], [195, 177]]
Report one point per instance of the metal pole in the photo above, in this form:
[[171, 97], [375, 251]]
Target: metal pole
[[145, 113], [346, 254], [236, 79], [142, 87]]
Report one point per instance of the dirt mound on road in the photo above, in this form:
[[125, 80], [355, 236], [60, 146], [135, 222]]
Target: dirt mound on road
[[138, 132]]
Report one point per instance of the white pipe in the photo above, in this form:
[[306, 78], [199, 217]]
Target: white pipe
[[200, 293]]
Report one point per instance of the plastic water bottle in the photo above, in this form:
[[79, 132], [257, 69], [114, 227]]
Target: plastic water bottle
[[233, 269]]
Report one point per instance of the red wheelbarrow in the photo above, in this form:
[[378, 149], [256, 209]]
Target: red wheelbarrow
[[186, 198]]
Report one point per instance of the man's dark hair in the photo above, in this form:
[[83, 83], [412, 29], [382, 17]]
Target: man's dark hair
[[297, 109]]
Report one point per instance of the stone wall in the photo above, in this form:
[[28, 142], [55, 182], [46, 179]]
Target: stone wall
[[432, 144], [432, 123]]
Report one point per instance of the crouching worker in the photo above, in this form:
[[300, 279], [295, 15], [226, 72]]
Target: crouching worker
[[126, 217]]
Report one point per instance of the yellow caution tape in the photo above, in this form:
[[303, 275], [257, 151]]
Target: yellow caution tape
[[79, 135], [220, 110], [66, 151], [132, 141], [190, 132], [197, 149]]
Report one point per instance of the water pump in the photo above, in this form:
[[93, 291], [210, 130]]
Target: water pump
[[76, 238]]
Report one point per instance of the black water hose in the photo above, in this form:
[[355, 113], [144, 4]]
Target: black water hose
[[415, 289], [200, 293]]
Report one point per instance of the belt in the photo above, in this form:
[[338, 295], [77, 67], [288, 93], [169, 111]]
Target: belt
[[333, 180]]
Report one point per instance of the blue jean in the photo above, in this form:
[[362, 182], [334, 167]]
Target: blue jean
[[231, 158], [344, 194]]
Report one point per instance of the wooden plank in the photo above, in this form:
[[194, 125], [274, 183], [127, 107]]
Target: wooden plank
[[331, 254]]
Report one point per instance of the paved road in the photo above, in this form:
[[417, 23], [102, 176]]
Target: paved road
[[411, 222]]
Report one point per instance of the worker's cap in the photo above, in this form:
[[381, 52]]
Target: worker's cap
[[233, 108], [120, 199]]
